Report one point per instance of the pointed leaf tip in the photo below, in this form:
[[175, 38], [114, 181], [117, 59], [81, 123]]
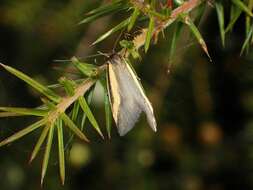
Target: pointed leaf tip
[[47, 152], [61, 151], [33, 83], [22, 132], [72, 126], [86, 109], [39, 143]]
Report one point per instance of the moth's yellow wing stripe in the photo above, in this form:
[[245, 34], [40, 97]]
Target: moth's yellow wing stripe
[[114, 94]]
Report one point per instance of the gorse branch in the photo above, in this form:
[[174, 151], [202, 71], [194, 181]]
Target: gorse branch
[[162, 24]]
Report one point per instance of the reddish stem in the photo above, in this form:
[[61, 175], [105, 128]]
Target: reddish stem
[[170, 4]]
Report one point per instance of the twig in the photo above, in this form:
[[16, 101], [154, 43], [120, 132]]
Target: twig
[[162, 24], [68, 100]]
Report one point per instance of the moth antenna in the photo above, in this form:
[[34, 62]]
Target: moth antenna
[[117, 40], [80, 58], [104, 54], [61, 60], [91, 56]]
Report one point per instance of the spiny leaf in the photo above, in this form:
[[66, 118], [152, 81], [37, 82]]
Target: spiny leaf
[[75, 111], [57, 85], [103, 10], [89, 102], [113, 30], [23, 132], [195, 31], [176, 34], [149, 33], [83, 117], [85, 107], [133, 18], [24, 111], [220, 14], [70, 124], [47, 152], [108, 114], [9, 114], [234, 15], [39, 143], [61, 151], [104, 7], [36, 85], [86, 69], [248, 24], [243, 7], [199, 13], [247, 40]]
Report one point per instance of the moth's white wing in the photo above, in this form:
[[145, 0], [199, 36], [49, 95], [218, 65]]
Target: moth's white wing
[[145, 103], [127, 97]]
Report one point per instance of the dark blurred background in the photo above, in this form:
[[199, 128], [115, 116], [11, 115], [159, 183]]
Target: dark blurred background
[[204, 109]]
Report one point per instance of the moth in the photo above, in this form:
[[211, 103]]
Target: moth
[[126, 95]]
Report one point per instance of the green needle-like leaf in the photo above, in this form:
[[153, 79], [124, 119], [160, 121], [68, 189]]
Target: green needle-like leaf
[[89, 102], [113, 30], [187, 20], [85, 107], [24, 111], [133, 18], [83, 117], [176, 34], [234, 15], [248, 24], [149, 33], [75, 111], [9, 114], [47, 152], [220, 14], [36, 85], [71, 125], [61, 151], [243, 7], [23, 132], [39, 143], [103, 10], [247, 40], [108, 114], [57, 85]]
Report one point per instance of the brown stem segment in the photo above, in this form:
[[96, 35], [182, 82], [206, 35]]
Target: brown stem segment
[[186, 7]]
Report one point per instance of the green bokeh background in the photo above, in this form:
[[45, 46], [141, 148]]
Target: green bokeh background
[[204, 110]]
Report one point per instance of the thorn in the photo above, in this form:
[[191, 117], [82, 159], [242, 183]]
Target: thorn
[[101, 134], [41, 181], [30, 160]]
